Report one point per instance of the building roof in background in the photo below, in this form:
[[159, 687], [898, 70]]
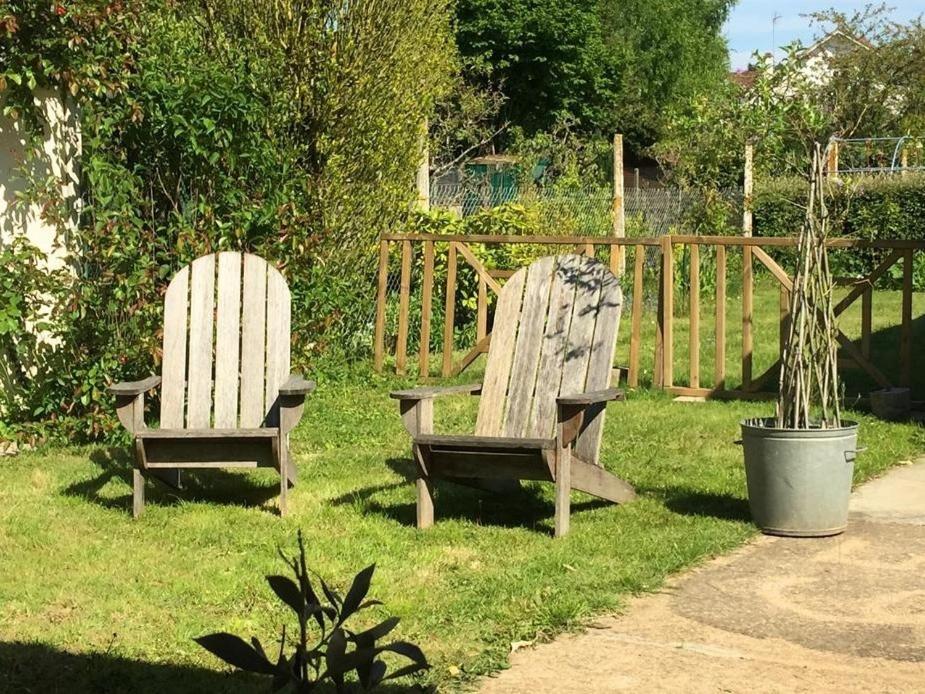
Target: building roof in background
[[833, 43], [836, 41], [743, 78]]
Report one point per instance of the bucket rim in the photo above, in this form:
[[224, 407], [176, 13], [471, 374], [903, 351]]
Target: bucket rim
[[761, 424]]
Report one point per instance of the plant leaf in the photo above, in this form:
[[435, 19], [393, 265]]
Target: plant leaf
[[376, 673], [283, 674], [406, 670], [335, 655], [287, 591], [409, 650], [332, 595], [368, 638], [258, 647], [357, 592], [236, 651]]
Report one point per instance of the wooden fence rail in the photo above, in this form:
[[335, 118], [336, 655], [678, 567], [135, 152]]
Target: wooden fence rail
[[667, 249]]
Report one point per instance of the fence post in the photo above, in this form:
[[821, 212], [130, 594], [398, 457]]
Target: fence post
[[694, 332], [618, 211], [832, 162], [639, 259], [747, 190], [905, 336], [449, 316], [423, 174], [719, 359], [667, 313], [379, 342], [747, 270], [426, 310], [404, 301]]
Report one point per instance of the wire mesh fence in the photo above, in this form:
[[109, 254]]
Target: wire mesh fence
[[878, 155], [589, 210]]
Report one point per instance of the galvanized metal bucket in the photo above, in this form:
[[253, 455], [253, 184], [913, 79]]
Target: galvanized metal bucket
[[799, 480]]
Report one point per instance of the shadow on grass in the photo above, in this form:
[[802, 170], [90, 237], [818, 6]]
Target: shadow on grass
[[211, 486], [885, 351], [35, 667], [692, 502], [523, 506]]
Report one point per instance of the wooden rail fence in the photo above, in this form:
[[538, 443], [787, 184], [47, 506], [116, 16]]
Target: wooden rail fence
[[754, 250]]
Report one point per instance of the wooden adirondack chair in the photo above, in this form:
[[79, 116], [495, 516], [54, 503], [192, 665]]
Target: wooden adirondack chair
[[227, 397], [546, 387]]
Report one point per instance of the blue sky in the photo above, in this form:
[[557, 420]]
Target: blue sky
[[749, 26]]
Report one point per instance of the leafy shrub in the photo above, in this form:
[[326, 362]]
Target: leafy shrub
[[223, 124], [29, 291], [868, 208], [338, 651]]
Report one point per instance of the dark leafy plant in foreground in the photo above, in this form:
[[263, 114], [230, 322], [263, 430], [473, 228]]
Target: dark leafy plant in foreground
[[325, 650]]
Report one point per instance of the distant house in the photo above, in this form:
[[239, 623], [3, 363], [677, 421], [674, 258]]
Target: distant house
[[815, 60]]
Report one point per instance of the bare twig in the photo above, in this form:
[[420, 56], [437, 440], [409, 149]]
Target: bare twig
[[809, 371]]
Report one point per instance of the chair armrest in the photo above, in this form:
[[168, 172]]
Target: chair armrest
[[430, 392], [297, 385], [133, 388], [591, 398]]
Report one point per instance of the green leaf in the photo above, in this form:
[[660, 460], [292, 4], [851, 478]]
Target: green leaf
[[236, 652], [369, 637], [335, 654], [407, 649], [357, 592], [287, 591]]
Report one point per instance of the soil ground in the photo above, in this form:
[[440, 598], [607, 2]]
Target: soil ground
[[843, 614]]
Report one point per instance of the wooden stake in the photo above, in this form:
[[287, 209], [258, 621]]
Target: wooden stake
[[747, 190], [694, 342], [423, 175], [618, 211], [379, 342]]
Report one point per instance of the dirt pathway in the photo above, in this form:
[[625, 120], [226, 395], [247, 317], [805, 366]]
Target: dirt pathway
[[843, 614]]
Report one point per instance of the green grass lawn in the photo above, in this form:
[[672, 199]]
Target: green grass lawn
[[91, 600]]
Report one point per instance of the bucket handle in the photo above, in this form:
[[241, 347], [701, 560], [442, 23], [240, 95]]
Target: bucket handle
[[851, 456]]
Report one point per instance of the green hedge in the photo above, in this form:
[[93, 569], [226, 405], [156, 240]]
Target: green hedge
[[870, 208], [883, 207]]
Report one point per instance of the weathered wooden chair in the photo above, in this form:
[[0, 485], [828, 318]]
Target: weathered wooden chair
[[544, 395], [227, 397]]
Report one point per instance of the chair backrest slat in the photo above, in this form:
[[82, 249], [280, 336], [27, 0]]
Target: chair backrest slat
[[600, 361], [522, 383], [501, 355], [253, 336], [552, 354], [277, 337], [226, 343], [199, 373], [554, 333], [173, 367]]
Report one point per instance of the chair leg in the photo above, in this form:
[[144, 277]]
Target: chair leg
[[563, 490], [425, 502], [138, 492], [425, 488], [283, 493], [280, 450]]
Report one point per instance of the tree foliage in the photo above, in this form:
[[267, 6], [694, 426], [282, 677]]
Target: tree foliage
[[876, 89], [598, 65], [289, 128]]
